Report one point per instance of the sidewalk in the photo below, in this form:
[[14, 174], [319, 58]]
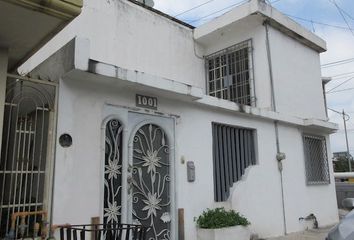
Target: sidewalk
[[315, 234]]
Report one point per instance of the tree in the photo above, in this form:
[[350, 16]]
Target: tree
[[341, 164]]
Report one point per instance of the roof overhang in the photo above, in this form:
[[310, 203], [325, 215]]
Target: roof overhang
[[26, 25], [269, 14]]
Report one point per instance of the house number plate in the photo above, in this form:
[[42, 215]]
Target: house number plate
[[146, 101]]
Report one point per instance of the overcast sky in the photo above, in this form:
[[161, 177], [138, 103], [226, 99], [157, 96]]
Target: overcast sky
[[340, 43]]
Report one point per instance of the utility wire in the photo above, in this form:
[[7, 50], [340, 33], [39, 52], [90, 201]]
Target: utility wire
[[342, 74], [340, 84], [340, 78], [342, 90], [275, 1], [319, 23], [345, 12], [340, 12], [336, 63], [233, 5], [228, 7], [341, 113], [193, 8]]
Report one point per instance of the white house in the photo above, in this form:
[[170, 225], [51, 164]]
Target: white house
[[155, 121]]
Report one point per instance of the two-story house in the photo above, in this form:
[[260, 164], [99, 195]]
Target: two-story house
[[146, 119]]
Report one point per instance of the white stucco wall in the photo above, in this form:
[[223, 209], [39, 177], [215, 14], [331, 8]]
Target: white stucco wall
[[78, 177], [126, 35], [297, 77], [300, 199]]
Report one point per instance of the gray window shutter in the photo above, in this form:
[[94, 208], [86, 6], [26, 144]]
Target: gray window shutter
[[233, 152]]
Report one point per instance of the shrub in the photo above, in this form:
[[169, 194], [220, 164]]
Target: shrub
[[220, 218]]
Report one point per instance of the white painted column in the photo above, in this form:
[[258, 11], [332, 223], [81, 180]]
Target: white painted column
[[3, 77]]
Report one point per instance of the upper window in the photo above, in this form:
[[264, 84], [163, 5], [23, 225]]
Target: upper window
[[230, 73], [316, 161]]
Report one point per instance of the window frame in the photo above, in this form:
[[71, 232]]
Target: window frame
[[226, 51], [325, 174]]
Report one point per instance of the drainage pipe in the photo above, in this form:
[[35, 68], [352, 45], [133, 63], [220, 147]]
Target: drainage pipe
[[280, 156]]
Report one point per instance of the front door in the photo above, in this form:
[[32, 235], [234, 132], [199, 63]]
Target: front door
[[139, 173]]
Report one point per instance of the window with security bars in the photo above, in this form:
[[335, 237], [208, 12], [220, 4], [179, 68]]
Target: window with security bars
[[230, 73], [233, 152], [316, 161]]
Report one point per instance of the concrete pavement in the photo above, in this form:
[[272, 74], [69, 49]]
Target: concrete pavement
[[314, 234]]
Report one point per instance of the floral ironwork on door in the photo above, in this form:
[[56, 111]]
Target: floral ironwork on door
[[113, 173], [151, 182]]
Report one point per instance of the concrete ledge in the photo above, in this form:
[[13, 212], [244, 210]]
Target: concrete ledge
[[145, 79], [316, 124]]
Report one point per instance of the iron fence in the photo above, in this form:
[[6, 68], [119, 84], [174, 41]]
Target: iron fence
[[103, 231]]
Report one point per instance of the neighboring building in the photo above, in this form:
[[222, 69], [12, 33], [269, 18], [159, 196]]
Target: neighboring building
[[25, 26], [157, 121], [337, 155]]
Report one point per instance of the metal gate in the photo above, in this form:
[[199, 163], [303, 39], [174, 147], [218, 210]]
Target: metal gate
[[25, 153], [151, 181], [113, 172], [139, 185]]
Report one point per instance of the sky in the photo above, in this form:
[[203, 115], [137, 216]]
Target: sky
[[319, 16]]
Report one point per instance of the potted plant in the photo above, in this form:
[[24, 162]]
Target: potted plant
[[219, 224]]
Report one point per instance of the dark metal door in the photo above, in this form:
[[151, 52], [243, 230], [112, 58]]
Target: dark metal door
[[151, 176], [113, 172]]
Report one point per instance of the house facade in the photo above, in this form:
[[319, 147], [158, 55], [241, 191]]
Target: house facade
[[155, 121]]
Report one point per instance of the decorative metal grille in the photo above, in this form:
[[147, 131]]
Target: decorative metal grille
[[233, 152], [316, 161], [230, 72], [113, 173], [23, 163], [151, 182]]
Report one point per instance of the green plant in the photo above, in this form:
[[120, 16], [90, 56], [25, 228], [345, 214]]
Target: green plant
[[341, 164], [220, 218]]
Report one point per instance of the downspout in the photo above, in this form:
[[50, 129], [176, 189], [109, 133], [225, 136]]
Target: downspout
[[280, 156]]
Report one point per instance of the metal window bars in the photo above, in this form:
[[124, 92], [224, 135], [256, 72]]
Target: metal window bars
[[230, 73], [316, 160], [103, 231], [28, 116], [233, 152]]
